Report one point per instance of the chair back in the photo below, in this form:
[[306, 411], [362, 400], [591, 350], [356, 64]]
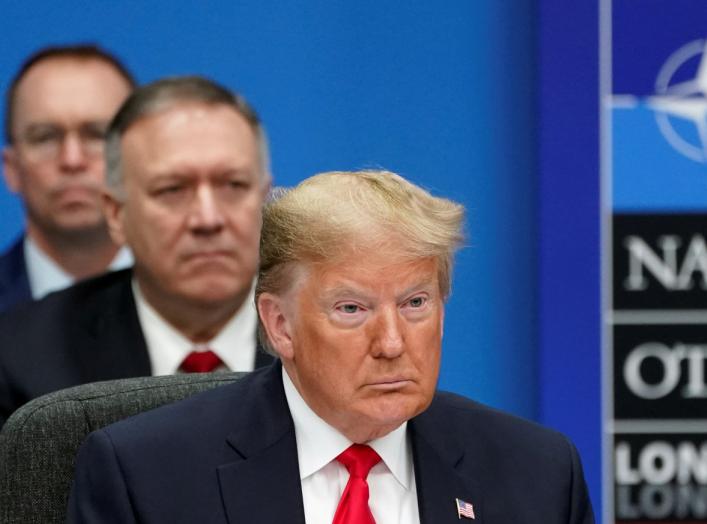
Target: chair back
[[38, 443]]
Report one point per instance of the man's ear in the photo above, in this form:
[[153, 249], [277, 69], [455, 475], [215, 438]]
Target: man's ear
[[277, 324], [10, 169], [265, 189], [114, 208], [441, 321]]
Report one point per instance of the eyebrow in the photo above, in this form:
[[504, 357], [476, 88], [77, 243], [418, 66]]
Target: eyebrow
[[186, 173], [347, 289], [239, 172], [420, 285], [50, 123], [168, 177], [342, 289]]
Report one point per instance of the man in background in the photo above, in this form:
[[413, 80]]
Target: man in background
[[188, 172], [347, 427], [57, 111]]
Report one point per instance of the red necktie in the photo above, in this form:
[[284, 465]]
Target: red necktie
[[353, 506], [201, 362]]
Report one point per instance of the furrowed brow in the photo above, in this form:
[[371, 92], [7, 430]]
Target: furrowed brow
[[344, 290]]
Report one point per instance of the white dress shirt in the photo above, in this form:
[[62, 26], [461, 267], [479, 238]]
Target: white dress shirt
[[391, 482], [235, 343], [45, 275]]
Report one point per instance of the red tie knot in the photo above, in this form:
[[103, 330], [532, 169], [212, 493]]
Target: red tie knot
[[201, 362], [359, 459]]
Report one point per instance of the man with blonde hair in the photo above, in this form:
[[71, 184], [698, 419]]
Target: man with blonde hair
[[346, 426]]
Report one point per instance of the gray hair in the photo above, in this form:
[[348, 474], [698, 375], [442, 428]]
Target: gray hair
[[165, 94]]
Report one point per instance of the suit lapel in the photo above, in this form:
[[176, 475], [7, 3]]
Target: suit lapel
[[14, 283], [265, 487], [263, 484], [443, 471], [114, 345]]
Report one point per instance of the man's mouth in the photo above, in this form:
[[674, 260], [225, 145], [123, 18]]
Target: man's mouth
[[216, 257], [71, 194], [390, 383], [208, 254]]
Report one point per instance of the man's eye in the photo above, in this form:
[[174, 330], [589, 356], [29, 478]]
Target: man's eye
[[44, 137], [234, 187], [349, 308], [169, 190], [93, 133], [237, 184], [417, 302]]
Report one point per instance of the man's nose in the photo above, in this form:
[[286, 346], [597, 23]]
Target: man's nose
[[72, 156], [206, 215], [389, 338]]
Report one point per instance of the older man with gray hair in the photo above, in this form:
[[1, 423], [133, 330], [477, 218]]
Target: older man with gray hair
[[187, 170], [346, 426]]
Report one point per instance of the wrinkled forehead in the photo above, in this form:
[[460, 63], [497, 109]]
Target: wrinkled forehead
[[186, 126], [367, 271], [196, 132]]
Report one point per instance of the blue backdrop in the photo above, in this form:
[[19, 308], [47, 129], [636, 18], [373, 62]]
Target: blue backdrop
[[568, 246], [441, 92]]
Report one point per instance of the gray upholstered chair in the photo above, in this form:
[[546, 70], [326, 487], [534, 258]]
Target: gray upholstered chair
[[39, 441]]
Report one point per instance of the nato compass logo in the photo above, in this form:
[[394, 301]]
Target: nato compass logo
[[658, 140], [680, 100]]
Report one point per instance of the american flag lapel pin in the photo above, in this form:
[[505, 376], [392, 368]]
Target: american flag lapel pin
[[465, 510]]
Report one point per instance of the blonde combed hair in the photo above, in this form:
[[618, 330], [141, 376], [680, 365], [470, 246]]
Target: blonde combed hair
[[333, 215]]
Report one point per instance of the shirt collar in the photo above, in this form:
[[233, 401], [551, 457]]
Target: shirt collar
[[318, 443], [45, 275], [123, 259], [234, 344]]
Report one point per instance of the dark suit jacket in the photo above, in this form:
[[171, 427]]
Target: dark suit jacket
[[14, 284], [85, 333], [230, 456]]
